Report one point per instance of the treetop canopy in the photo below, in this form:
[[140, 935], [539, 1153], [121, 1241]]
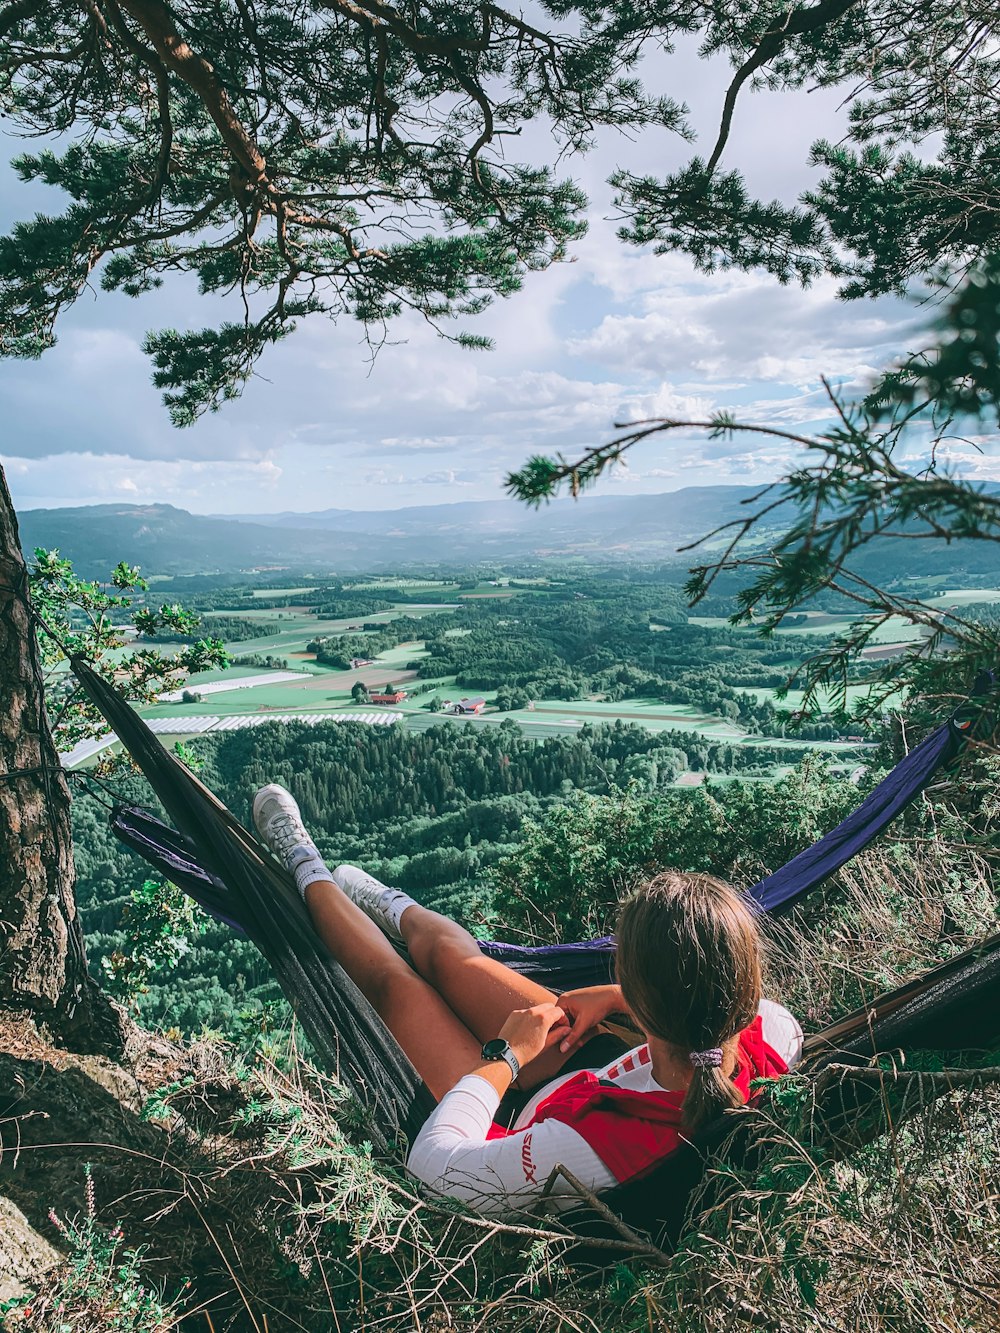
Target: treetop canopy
[[359, 157]]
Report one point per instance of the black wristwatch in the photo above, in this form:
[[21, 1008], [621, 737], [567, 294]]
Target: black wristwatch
[[499, 1049]]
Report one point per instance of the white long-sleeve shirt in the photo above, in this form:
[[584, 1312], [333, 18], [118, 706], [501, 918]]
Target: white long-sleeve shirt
[[453, 1155]]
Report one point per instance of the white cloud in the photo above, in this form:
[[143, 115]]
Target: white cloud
[[380, 477], [744, 329], [87, 478], [422, 444], [617, 335], [975, 457], [451, 477], [102, 351]]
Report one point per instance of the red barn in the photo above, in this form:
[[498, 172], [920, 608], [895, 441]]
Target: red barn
[[469, 706], [393, 697]]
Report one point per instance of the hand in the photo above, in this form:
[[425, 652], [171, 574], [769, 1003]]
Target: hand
[[585, 1008], [529, 1032]]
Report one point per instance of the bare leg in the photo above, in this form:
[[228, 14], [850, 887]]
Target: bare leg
[[481, 991], [436, 1040]]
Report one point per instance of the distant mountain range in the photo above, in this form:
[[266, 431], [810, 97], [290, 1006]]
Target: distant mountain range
[[595, 529], [617, 516], [166, 540]]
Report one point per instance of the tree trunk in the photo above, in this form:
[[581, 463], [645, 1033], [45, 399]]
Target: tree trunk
[[43, 965]]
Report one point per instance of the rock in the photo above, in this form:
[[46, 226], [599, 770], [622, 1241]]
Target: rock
[[24, 1254]]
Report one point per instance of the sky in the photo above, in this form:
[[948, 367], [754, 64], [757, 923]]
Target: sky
[[615, 335]]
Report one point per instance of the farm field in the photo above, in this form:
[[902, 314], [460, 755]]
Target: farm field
[[794, 698], [298, 625], [313, 687], [225, 684], [959, 597], [650, 713], [317, 689], [654, 716], [330, 691], [411, 585], [547, 718], [233, 673], [268, 593], [403, 653], [893, 631]]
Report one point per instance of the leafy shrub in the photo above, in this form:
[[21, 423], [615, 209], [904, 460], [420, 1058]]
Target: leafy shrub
[[159, 922], [98, 1289]]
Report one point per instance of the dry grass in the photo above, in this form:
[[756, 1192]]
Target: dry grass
[[255, 1182], [893, 912], [283, 1221]]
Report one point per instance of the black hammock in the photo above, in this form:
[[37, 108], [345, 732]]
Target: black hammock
[[215, 860]]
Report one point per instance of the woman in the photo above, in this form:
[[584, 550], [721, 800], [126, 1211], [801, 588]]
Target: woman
[[689, 969]]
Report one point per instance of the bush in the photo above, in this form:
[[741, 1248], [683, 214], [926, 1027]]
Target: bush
[[158, 922], [99, 1287]]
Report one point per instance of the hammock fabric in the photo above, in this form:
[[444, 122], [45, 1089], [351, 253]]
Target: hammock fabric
[[217, 862], [347, 1035]]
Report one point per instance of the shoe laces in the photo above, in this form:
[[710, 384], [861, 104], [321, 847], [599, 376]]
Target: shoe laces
[[286, 831], [368, 895]]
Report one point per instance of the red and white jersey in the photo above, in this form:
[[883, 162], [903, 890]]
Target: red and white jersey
[[605, 1126]]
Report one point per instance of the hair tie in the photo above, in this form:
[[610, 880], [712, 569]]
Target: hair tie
[[710, 1059]]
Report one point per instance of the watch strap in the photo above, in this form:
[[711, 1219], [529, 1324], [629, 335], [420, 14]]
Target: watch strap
[[501, 1050]]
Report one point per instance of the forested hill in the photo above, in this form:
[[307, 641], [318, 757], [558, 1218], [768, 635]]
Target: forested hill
[[436, 812], [166, 540]]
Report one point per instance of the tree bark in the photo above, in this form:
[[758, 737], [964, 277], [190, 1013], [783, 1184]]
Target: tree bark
[[43, 963]]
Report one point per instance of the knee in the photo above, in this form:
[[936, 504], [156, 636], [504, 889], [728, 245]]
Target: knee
[[437, 953], [394, 990]]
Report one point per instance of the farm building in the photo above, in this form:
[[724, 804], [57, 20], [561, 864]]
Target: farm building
[[390, 697], [362, 662], [467, 706]]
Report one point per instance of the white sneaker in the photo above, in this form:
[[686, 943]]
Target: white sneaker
[[374, 898], [278, 820]]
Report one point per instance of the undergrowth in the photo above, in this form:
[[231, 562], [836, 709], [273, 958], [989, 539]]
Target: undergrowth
[[270, 1201], [901, 1236], [891, 913], [100, 1285]]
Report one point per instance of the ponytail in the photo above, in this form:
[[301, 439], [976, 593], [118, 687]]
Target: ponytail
[[689, 964], [710, 1093]]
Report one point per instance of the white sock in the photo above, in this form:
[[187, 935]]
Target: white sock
[[383, 904], [306, 864], [394, 904]]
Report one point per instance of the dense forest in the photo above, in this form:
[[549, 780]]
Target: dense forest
[[606, 638], [232, 629], [435, 813], [337, 651]]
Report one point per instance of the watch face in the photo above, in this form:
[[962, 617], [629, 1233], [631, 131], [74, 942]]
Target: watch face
[[493, 1050]]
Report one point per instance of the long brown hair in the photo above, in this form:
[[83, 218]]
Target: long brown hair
[[689, 965]]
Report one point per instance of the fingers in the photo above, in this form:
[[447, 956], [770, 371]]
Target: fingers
[[552, 1016], [575, 1037], [548, 1012], [583, 1018], [534, 1030]]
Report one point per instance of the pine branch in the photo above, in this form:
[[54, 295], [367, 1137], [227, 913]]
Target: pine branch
[[793, 23]]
